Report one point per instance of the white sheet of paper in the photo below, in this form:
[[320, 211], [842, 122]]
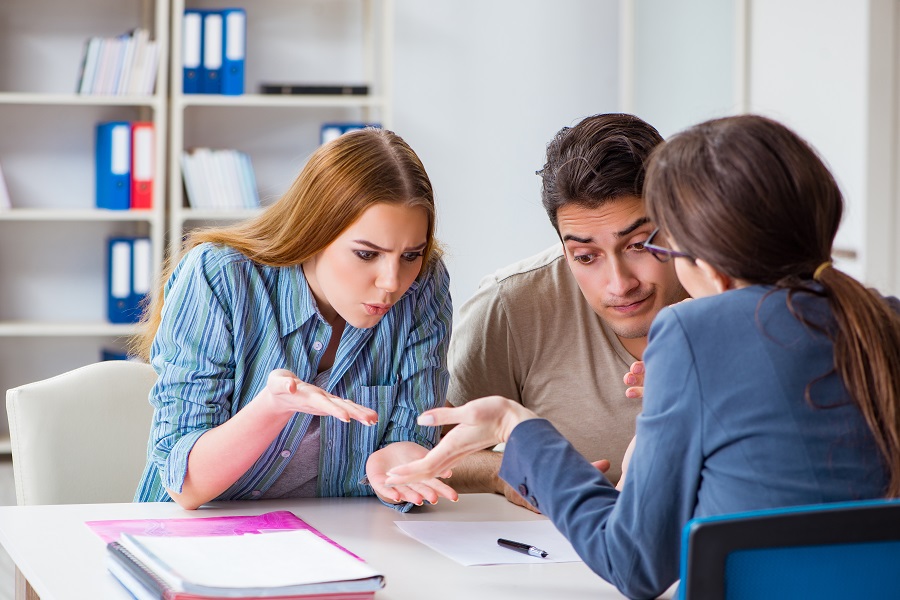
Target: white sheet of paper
[[475, 542]]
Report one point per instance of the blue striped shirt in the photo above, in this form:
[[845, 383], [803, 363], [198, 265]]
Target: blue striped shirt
[[227, 322]]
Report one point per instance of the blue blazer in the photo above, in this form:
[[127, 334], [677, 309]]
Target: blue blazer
[[725, 427]]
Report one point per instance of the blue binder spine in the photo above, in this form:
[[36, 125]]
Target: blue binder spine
[[331, 131], [234, 48], [113, 165], [141, 274], [212, 52], [192, 52], [120, 306]]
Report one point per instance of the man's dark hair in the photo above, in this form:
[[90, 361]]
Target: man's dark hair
[[600, 159]]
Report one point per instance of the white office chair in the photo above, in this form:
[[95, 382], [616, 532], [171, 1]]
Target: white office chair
[[81, 437]]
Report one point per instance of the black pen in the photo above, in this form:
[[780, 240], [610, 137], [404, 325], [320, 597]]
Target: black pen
[[523, 548]]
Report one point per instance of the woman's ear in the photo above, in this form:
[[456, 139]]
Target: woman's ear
[[718, 280]]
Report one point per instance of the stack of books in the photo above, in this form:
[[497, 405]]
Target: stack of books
[[274, 555], [219, 179], [125, 65]]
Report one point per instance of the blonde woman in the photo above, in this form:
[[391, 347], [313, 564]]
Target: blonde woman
[[296, 350]]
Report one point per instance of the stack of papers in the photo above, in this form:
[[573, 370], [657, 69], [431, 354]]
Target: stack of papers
[[271, 555], [289, 564], [475, 542]]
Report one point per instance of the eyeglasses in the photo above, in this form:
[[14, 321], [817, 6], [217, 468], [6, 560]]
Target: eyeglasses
[[663, 254]]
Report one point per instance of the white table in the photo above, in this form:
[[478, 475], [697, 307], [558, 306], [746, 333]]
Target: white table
[[62, 559]]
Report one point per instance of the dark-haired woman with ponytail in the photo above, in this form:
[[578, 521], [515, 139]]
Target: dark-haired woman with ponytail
[[778, 385]]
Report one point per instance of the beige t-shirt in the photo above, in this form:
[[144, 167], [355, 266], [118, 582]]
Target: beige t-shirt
[[528, 334]]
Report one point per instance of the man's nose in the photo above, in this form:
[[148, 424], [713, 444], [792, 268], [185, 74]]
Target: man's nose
[[621, 278]]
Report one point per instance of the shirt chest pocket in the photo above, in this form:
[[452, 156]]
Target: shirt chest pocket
[[381, 399]]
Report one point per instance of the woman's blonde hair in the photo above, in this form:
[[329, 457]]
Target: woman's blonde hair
[[340, 181]]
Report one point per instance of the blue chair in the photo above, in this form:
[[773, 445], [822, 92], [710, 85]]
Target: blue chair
[[823, 551]]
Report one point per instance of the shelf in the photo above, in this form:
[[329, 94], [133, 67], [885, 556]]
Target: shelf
[[30, 99], [212, 214], [66, 329], [280, 101], [87, 214]]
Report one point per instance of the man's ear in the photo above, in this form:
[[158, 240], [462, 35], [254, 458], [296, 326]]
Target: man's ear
[[720, 281]]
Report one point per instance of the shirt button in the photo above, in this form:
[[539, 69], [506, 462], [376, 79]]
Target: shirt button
[[317, 346], [256, 493], [285, 453], [523, 490]]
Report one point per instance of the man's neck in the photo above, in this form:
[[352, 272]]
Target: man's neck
[[635, 346]]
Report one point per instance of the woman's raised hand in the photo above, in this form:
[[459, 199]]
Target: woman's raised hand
[[291, 394]]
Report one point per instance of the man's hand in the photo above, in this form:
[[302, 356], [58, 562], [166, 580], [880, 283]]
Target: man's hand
[[635, 378], [399, 453], [625, 460]]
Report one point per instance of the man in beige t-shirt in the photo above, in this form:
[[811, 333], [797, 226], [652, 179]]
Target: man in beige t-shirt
[[558, 331]]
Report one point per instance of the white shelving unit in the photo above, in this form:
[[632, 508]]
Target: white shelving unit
[[306, 41], [53, 240]]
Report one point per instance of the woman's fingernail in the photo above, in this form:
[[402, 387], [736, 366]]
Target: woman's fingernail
[[426, 420]]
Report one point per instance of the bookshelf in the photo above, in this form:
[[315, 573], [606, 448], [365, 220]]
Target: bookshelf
[[287, 41], [53, 239]]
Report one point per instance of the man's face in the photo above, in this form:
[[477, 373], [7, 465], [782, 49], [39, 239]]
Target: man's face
[[621, 281]]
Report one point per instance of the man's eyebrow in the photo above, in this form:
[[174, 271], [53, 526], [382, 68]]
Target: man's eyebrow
[[369, 244], [628, 230], [575, 238], [618, 234]]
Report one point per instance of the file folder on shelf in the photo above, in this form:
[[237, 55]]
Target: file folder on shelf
[[107, 354], [113, 165], [212, 53], [141, 271], [192, 52], [234, 49], [330, 131], [120, 309], [142, 164], [130, 269]]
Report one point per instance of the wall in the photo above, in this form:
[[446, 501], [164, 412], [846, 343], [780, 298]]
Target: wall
[[834, 84], [679, 60], [826, 68], [480, 88]]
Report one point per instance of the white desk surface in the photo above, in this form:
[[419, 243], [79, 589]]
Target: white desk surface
[[62, 559]]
